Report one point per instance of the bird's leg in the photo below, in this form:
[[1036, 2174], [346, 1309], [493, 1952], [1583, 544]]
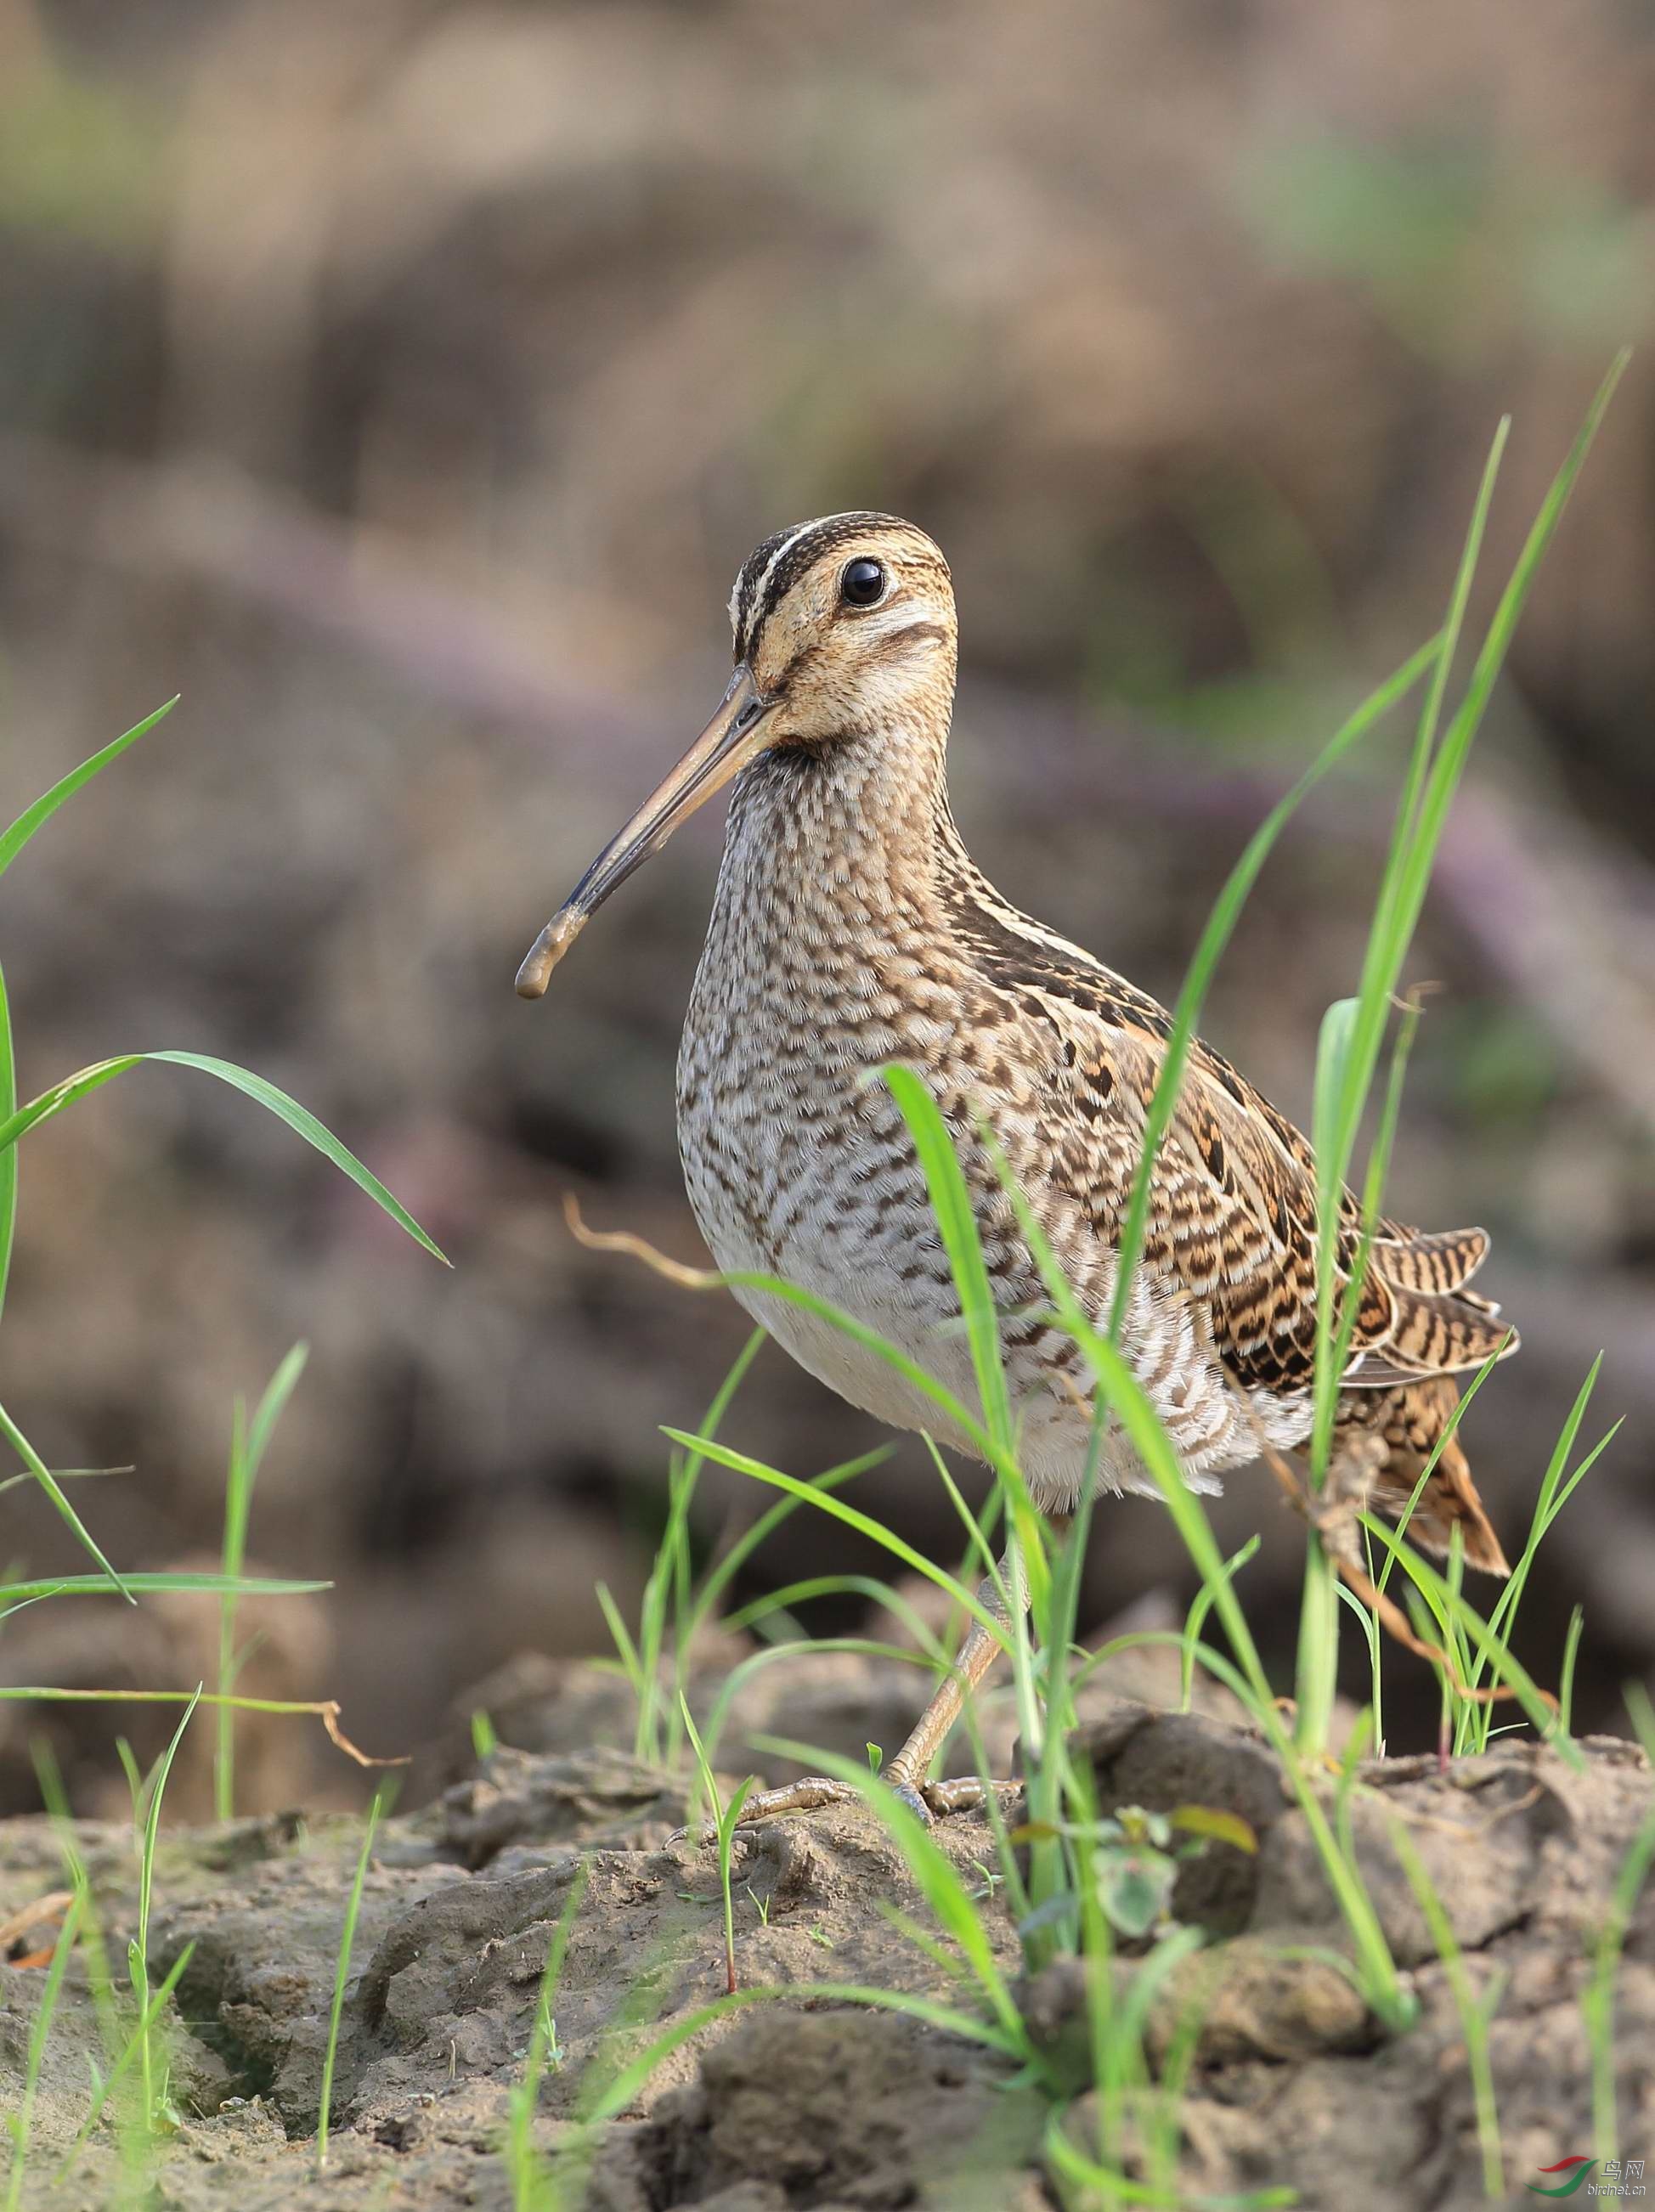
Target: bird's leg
[[1356, 1467], [906, 1772]]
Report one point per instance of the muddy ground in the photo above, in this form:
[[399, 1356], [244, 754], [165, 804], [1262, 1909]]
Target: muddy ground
[[811, 2102]]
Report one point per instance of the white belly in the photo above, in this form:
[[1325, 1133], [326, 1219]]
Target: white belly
[[1053, 1423]]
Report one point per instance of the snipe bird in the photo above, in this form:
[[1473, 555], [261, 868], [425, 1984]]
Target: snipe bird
[[849, 929]]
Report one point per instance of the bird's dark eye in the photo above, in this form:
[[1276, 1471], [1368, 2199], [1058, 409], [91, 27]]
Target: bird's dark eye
[[863, 584]]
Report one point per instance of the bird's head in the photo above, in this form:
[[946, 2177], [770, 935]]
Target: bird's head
[[842, 628]]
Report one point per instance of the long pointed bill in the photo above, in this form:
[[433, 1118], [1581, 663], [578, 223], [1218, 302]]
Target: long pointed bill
[[730, 740]]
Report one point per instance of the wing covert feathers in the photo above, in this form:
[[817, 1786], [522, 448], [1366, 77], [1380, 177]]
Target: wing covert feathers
[[1232, 1199]]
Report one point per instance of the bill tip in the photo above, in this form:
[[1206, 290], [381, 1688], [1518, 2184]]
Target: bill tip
[[548, 949]]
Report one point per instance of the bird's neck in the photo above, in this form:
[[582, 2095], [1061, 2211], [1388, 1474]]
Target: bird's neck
[[861, 826]]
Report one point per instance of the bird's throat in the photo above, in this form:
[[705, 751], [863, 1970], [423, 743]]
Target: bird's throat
[[858, 829]]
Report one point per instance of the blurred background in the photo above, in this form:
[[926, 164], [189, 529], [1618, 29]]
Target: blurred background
[[402, 384]]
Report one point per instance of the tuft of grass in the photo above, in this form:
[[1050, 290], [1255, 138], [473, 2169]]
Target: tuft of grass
[[20, 2123], [1597, 1998], [675, 1606], [534, 2186], [16, 1121], [1353, 1037], [668, 1601], [1474, 1721], [7, 1159], [342, 1976], [148, 2021], [121, 2047], [138, 2051], [1476, 2012], [726, 1818], [159, 2117], [248, 1445]]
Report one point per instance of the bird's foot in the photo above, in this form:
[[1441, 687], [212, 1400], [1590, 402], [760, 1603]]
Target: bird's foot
[[927, 1800], [808, 1794]]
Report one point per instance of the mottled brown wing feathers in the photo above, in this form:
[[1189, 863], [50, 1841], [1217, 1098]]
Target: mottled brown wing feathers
[[1258, 1221], [1406, 1426], [1232, 1205], [1446, 1261]]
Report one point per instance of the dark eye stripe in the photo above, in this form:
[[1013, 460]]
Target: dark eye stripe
[[806, 549]]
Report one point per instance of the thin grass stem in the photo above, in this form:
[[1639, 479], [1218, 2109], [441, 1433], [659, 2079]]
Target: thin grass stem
[[342, 1977]]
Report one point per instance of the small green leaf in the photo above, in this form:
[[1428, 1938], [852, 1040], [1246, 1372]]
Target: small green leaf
[[1135, 1889], [1035, 1831], [1210, 1820]]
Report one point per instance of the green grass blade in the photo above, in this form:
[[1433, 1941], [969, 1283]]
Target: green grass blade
[[152, 1585], [1027, 1566], [11, 1434], [303, 1123], [1415, 850], [9, 1157], [112, 2080], [22, 2121], [342, 1976], [722, 1573], [81, 1084], [741, 1673], [1474, 2014], [956, 1220], [1216, 937], [631, 1665], [1196, 1620], [1505, 1609], [954, 1410], [1597, 1998], [271, 1409], [32, 817], [1566, 1673], [1459, 1619], [138, 1949], [865, 1525], [298, 1118], [248, 1447], [1393, 928], [523, 2165]]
